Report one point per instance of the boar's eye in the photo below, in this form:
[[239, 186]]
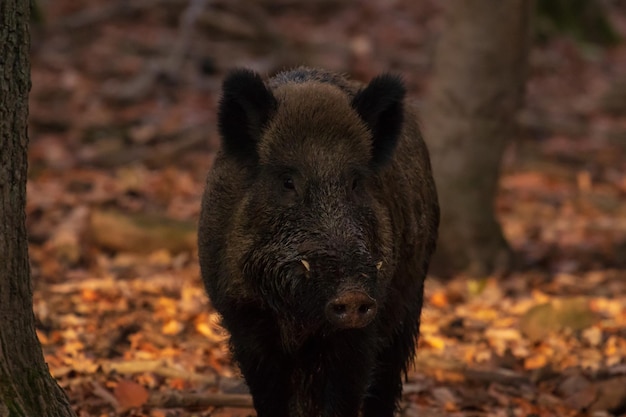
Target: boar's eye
[[358, 178], [285, 181], [288, 183]]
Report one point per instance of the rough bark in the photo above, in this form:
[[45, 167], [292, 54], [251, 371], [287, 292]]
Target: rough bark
[[26, 387], [478, 85]]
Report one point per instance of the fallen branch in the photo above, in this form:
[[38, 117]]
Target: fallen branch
[[148, 285], [498, 375], [104, 394], [176, 399], [446, 368], [158, 367], [162, 149], [194, 400]]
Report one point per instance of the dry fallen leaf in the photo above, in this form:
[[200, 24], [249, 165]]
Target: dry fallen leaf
[[535, 362], [439, 299], [130, 394], [173, 327], [560, 202]]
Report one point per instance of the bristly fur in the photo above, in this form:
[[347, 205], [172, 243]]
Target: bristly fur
[[380, 104], [322, 186], [245, 108]]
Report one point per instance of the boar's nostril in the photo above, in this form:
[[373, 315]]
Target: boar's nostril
[[339, 308], [351, 309]]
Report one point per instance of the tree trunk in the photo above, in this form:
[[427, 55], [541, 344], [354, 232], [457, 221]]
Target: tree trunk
[[26, 387], [478, 85]]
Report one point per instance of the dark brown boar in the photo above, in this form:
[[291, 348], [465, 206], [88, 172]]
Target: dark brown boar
[[317, 225]]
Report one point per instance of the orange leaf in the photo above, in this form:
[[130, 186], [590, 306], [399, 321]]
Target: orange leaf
[[435, 342], [178, 384], [89, 294], [535, 362], [129, 394], [439, 299], [172, 327]]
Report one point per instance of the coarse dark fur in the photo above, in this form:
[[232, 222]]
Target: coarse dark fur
[[321, 186]]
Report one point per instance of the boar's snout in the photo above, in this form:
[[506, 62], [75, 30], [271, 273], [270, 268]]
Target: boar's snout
[[352, 309]]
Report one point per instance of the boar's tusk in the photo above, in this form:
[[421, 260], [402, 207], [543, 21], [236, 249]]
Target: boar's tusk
[[379, 265], [306, 265]]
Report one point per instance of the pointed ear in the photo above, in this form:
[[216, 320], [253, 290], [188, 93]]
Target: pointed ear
[[244, 110], [381, 106]]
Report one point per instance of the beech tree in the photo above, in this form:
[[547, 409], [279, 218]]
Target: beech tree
[[478, 86], [26, 386]]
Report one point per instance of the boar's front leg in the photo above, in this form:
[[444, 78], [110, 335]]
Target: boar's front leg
[[347, 375], [266, 369], [386, 388], [391, 363]]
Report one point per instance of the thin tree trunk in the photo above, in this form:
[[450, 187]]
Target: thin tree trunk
[[26, 387], [478, 85]]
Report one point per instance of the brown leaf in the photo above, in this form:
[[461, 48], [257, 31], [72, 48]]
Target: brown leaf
[[573, 385], [611, 395], [579, 393], [129, 394], [445, 397]]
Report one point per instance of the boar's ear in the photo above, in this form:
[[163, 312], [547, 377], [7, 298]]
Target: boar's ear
[[244, 110], [380, 105]]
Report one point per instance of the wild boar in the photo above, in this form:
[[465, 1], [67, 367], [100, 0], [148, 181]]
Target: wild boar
[[317, 225]]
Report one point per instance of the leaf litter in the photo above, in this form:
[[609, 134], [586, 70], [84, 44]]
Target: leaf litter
[[119, 149]]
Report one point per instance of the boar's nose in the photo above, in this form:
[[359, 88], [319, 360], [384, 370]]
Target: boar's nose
[[351, 310]]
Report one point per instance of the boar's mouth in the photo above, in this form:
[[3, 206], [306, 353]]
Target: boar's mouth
[[312, 295], [328, 300]]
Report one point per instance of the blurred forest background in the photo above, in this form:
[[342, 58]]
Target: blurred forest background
[[122, 133]]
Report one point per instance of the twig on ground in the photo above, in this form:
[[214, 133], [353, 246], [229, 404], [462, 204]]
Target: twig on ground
[[432, 364], [194, 400], [158, 367], [160, 151], [103, 393]]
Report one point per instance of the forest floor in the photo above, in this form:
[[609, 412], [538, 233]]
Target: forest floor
[[122, 128]]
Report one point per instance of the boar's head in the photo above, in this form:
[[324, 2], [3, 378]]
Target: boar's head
[[311, 234]]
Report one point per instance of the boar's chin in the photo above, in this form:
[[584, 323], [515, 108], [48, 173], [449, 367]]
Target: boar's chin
[[294, 334]]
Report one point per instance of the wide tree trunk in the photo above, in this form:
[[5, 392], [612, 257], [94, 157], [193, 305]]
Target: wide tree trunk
[[478, 85], [26, 387]]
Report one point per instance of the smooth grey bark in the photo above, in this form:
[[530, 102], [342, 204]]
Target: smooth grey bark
[[478, 86], [26, 386]]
